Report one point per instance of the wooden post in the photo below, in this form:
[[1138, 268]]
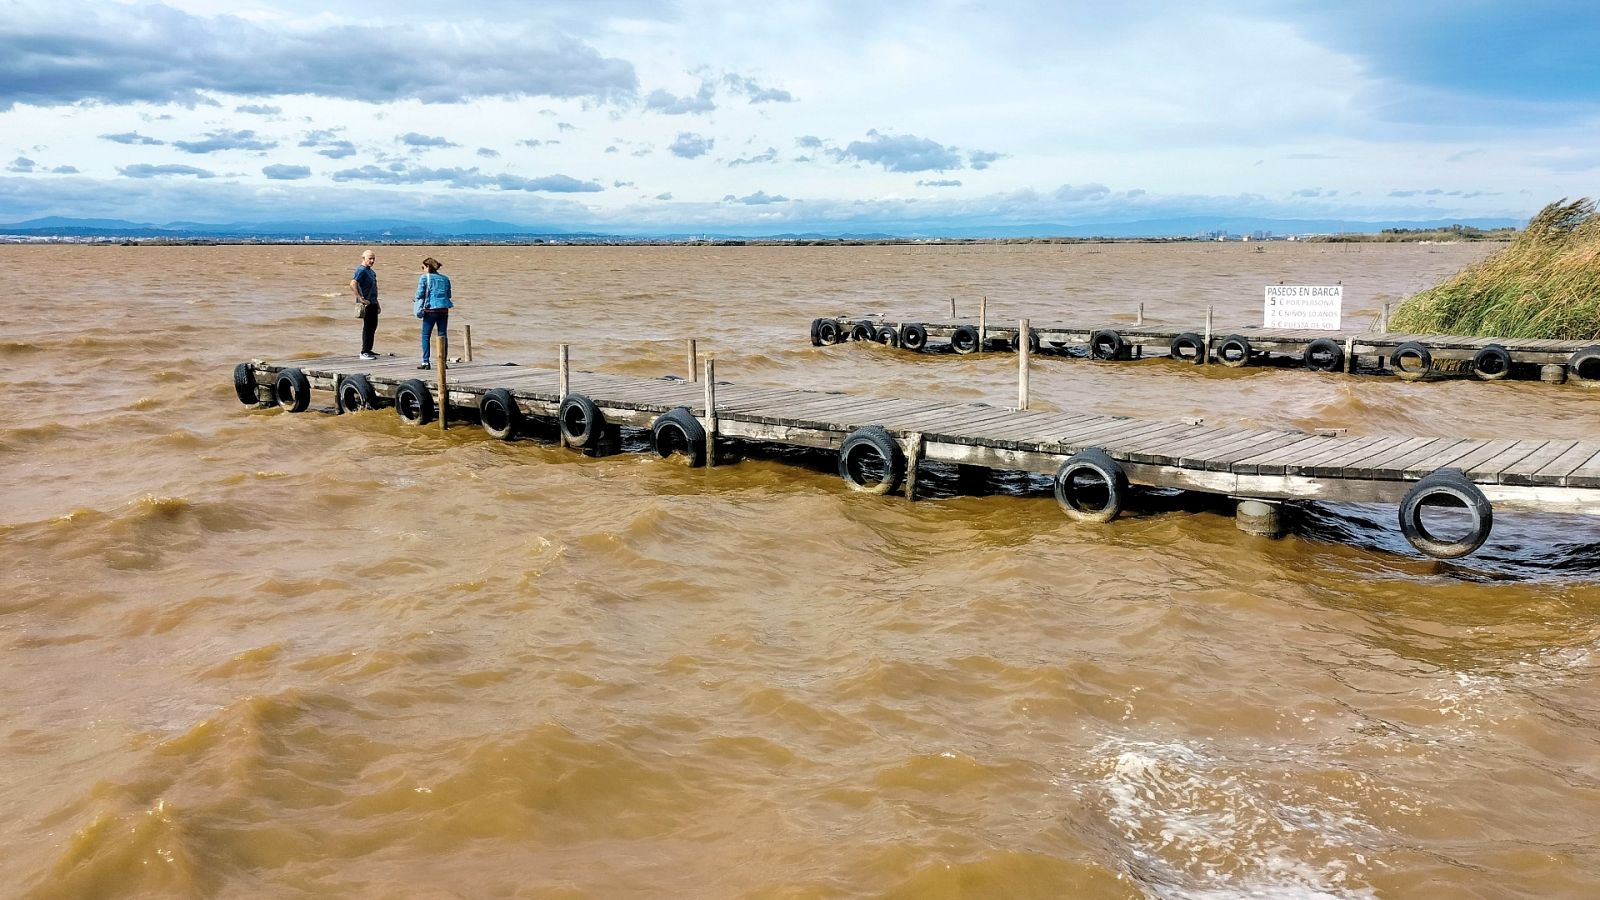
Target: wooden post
[[983, 322], [913, 459], [1349, 355], [952, 307], [444, 385], [1383, 324], [566, 375], [692, 355], [1140, 320], [1205, 352], [468, 330], [1024, 351], [564, 379], [711, 412]]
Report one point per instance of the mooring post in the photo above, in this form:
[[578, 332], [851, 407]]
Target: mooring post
[[444, 385], [1140, 320], [692, 355], [913, 459], [711, 412], [1205, 352], [1024, 351], [468, 330], [952, 307], [983, 322], [1383, 324], [1349, 355], [562, 382]]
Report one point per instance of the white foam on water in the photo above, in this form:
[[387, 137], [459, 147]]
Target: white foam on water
[[1200, 828]]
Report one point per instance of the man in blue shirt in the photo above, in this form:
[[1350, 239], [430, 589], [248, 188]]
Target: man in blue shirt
[[365, 286]]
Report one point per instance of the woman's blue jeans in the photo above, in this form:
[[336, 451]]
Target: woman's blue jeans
[[441, 318]]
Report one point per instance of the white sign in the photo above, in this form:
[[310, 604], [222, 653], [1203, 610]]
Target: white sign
[[1303, 306]]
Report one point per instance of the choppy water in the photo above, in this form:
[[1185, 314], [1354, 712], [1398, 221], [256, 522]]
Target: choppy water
[[251, 654]]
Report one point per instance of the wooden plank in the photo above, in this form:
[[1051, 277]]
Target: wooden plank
[[1222, 459], [1489, 469], [1334, 466], [1127, 438], [1163, 447], [1585, 475], [1273, 462], [1093, 434], [1370, 467], [1477, 453], [1523, 470], [1341, 447], [1556, 471], [1432, 456]]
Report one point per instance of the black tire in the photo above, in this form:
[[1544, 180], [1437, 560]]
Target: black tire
[[1397, 361], [678, 432], [871, 461], [829, 332], [1091, 470], [965, 339], [499, 414], [1106, 344], [1188, 347], [354, 393], [1584, 366], [244, 384], [913, 337], [1234, 351], [1033, 341], [412, 402], [1323, 355], [292, 390], [1492, 363], [581, 422], [863, 331], [816, 341], [1454, 485], [888, 335]]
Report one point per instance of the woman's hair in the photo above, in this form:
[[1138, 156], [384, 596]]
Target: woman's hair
[[431, 264]]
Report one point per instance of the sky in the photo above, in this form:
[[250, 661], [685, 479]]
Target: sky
[[770, 117]]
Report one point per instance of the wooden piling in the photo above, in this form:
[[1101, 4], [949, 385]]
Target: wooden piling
[[1024, 352], [913, 460], [444, 384], [711, 412], [983, 322], [952, 307], [1383, 324], [1140, 320], [1349, 355], [468, 330], [565, 372], [692, 356], [1205, 352]]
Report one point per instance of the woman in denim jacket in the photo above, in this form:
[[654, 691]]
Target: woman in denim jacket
[[433, 307]]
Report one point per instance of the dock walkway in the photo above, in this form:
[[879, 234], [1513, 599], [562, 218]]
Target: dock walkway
[[1253, 464], [1411, 356]]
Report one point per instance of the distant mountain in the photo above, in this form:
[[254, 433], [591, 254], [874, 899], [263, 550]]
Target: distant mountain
[[379, 230]]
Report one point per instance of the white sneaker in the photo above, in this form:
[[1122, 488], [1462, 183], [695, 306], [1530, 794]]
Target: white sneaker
[[369, 356]]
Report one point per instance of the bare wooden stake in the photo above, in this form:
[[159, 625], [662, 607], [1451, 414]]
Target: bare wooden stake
[[444, 385], [1349, 355], [711, 412], [1205, 352], [1383, 325], [692, 355], [1024, 351], [565, 372], [468, 330], [563, 381], [983, 322], [952, 307], [1140, 320], [913, 459]]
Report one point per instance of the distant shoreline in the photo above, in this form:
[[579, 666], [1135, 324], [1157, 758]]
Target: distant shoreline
[[1418, 237]]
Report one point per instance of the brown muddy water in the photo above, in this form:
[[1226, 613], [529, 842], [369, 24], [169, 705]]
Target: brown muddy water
[[252, 654]]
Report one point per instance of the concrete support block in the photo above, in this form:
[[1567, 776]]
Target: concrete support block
[[1260, 517]]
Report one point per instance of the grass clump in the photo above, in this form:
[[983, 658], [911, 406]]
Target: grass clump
[[1544, 284]]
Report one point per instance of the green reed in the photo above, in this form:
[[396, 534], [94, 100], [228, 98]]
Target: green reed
[[1544, 284]]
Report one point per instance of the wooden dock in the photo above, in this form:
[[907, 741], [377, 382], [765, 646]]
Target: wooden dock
[[1409, 356], [882, 441]]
